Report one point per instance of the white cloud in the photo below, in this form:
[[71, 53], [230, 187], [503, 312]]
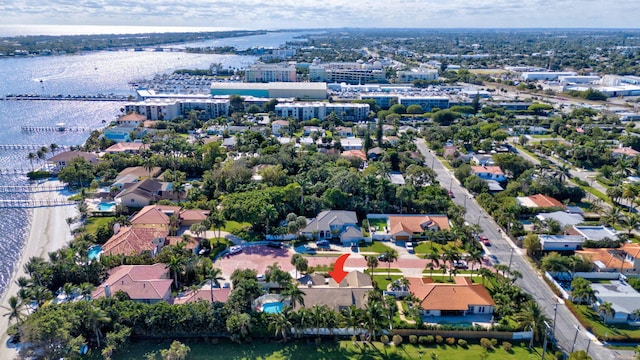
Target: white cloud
[[253, 14]]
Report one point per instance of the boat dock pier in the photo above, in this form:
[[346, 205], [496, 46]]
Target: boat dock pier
[[24, 189], [28, 147], [52, 129], [33, 203]]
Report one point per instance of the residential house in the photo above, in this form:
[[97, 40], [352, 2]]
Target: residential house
[[625, 300], [330, 224], [119, 133], [623, 151], [134, 241], [351, 144], [404, 227], [396, 178], [489, 173], [391, 140], [60, 160], [539, 201], [343, 131], [132, 119], [352, 290], [560, 242], [595, 233], [155, 217], [142, 283], [609, 260], [127, 148], [143, 193], [375, 153], [190, 217], [205, 293], [483, 160], [562, 217], [229, 143], [445, 299], [308, 130], [355, 153], [278, 127]]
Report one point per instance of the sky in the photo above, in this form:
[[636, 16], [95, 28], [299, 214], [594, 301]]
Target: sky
[[288, 14]]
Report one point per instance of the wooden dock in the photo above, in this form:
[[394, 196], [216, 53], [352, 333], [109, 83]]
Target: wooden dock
[[34, 203], [29, 147], [29, 189], [52, 129]]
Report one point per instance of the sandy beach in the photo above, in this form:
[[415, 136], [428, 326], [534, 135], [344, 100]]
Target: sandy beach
[[48, 232]]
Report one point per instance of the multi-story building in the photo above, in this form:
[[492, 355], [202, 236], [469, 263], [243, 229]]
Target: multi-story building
[[416, 74], [426, 102], [303, 111], [270, 73], [277, 90], [167, 109], [347, 72]]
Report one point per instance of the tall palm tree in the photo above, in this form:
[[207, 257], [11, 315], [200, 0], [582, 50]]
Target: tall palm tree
[[606, 310], [374, 317], [319, 316], [474, 256], [15, 309], [96, 317], [175, 265], [390, 256], [352, 317], [295, 295], [281, 323], [451, 255], [215, 276], [372, 262], [531, 316], [31, 157], [631, 222]]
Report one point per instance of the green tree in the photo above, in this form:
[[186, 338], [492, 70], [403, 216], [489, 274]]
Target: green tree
[[532, 317], [372, 262], [96, 317], [606, 310], [390, 256], [415, 109], [300, 263], [177, 351]]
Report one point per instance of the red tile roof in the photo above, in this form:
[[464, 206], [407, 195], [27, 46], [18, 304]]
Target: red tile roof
[[151, 214], [606, 256], [451, 297], [140, 282], [495, 170], [626, 151], [355, 153], [126, 146], [544, 201], [194, 214], [133, 241], [414, 224], [204, 294], [135, 117]]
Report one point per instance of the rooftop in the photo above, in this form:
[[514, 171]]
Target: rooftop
[[449, 297]]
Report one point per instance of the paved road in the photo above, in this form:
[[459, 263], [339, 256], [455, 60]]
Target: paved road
[[531, 282]]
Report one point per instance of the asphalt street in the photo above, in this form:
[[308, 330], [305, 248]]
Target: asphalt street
[[567, 331]]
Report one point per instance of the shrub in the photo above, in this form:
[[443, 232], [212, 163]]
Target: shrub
[[413, 339], [439, 339], [451, 341], [397, 340], [462, 343], [424, 340], [486, 343], [507, 346], [384, 339], [494, 342]]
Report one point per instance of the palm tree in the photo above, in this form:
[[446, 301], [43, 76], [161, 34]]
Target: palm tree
[[631, 222], [295, 295], [96, 316], [606, 310], [474, 256], [372, 262], [281, 324], [318, 314], [31, 157], [390, 256], [15, 309], [450, 255], [40, 295], [612, 217], [352, 317], [374, 316], [531, 316], [217, 221], [175, 265], [215, 276]]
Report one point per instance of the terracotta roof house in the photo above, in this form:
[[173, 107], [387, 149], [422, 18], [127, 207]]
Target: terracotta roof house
[[624, 152], [154, 217], [60, 160], [461, 298], [138, 172], [189, 217], [489, 172], [608, 260], [539, 201], [144, 192], [205, 293], [404, 227], [144, 283], [355, 153], [331, 224], [126, 147], [131, 240], [352, 290], [132, 119]]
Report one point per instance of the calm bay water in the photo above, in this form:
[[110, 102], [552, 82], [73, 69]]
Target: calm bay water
[[82, 74]]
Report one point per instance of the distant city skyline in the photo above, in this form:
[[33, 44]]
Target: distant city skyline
[[288, 14]]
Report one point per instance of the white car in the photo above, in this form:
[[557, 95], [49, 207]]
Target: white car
[[409, 246], [235, 249]]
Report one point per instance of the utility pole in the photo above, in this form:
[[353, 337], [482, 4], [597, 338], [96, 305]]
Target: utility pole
[[555, 313], [547, 328], [575, 338], [511, 258]]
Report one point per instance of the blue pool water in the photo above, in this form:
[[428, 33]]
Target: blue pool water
[[106, 206], [272, 308], [94, 251]]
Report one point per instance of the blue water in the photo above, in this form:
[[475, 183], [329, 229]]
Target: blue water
[[272, 308], [106, 206], [94, 251], [82, 74]]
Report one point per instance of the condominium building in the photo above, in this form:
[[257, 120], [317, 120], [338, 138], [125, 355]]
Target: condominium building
[[417, 74], [270, 73], [167, 109], [347, 72], [426, 102], [303, 111]]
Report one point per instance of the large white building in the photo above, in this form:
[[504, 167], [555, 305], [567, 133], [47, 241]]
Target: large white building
[[545, 75], [417, 74], [167, 109], [347, 72], [270, 73], [298, 90], [426, 102], [303, 111]]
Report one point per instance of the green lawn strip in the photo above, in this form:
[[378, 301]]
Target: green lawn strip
[[445, 279], [95, 222], [327, 349], [377, 223], [383, 269], [383, 282], [376, 247], [231, 226], [608, 332], [594, 192], [445, 163]]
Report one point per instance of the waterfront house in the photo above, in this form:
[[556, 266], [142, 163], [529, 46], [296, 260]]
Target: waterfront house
[[155, 217], [142, 283], [132, 119], [445, 299], [143, 193], [352, 290], [127, 148], [60, 160], [133, 241]]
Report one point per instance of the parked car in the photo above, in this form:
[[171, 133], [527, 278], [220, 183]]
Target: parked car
[[460, 264], [409, 246], [275, 245], [323, 243], [383, 257], [235, 249], [451, 194], [260, 277], [494, 259], [354, 246], [485, 240]]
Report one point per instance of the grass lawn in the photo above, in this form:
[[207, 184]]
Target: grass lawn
[[327, 349], [377, 223], [599, 194], [610, 332], [383, 282], [445, 163], [95, 222], [376, 247], [232, 226], [383, 269], [425, 247]]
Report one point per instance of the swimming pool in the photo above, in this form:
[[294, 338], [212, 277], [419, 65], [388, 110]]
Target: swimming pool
[[272, 308], [94, 251], [106, 206]]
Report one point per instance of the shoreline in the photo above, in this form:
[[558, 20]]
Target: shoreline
[[47, 232]]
